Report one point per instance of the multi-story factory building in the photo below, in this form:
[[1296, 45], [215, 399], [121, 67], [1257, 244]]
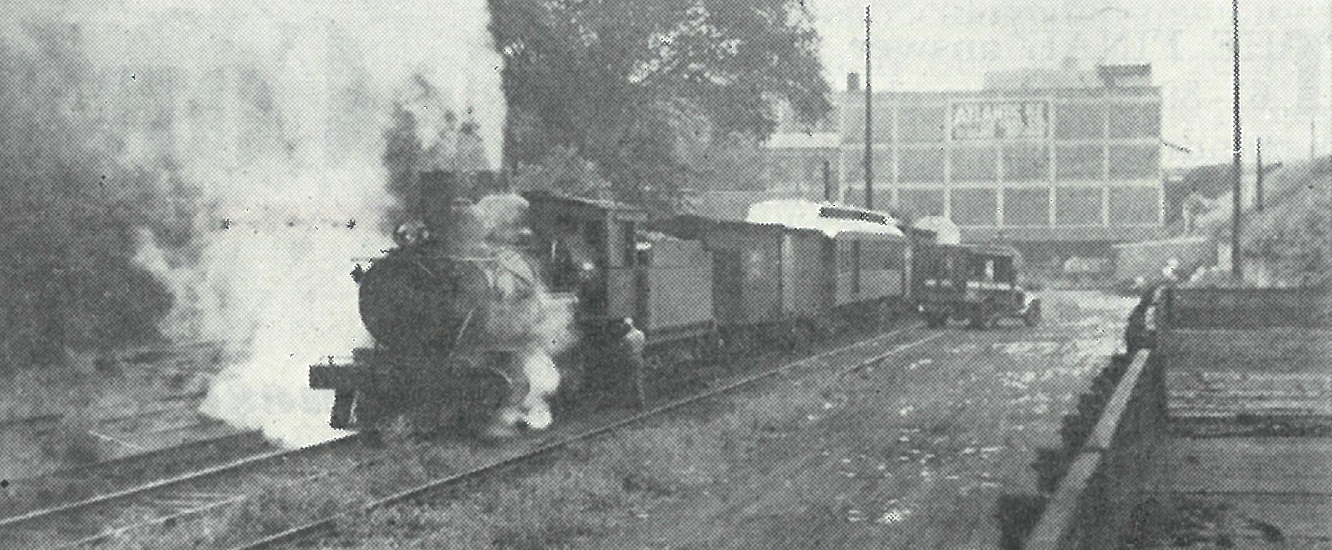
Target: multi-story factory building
[[1060, 162]]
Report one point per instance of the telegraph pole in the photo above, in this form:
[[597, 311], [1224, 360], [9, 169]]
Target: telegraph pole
[[1236, 175], [869, 118], [1258, 181]]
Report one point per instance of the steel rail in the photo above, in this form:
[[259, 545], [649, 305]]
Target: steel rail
[[321, 525], [18, 522]]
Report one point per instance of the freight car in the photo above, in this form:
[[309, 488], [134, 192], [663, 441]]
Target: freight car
[[451, 312], [698, 287]]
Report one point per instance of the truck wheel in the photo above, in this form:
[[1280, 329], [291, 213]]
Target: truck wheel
[[1033, 315]]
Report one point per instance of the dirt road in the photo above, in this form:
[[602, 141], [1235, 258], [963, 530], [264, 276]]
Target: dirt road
[[914, 452]]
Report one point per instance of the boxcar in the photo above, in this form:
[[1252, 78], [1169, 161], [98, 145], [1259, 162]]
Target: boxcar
[[870, 268], [780, 281], [765, 274]]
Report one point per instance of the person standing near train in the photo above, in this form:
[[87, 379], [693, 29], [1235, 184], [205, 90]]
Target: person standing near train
[[631, 345]]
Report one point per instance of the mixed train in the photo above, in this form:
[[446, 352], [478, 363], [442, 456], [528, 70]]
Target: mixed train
[[463, 301]]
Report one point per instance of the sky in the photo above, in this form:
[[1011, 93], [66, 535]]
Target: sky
[[1286, 57]]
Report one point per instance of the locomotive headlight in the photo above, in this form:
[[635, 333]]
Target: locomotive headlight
[[404, 234]]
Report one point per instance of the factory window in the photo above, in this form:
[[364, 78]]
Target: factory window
[[882, 197], [883, 123], [1027, 206], [855, 196], [853, 123], [1026, 163], [974, 164], [1135, 120], [920, 165], [920, 202], [1078, 206], [815, 169], [1135, 162], [1079, 121], [1134, 206], [920, 124], [883, 166], [974, 207], [1079, 162], [853, 162]]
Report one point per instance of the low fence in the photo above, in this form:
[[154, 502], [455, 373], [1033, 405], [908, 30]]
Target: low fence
[[1093, 501], [1147, 259], [1239, 308]]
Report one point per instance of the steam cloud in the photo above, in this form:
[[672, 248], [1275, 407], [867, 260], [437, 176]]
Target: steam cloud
[[272, 114]]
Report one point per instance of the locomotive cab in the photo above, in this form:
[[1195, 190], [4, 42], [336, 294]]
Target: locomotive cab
[[603, 253]]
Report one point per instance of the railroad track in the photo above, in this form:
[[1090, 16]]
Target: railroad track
[[160, 502], [46, 423], [37, 423], [313, 528], [117, 474], [169, 501]]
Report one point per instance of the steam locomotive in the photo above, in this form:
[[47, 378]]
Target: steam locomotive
[[457, 306]]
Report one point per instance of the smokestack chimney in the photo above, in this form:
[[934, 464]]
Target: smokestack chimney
[[853, 82], [437, 190], [1068, 63]]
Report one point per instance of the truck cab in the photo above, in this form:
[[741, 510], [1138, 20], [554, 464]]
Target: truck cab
[[977, 283]]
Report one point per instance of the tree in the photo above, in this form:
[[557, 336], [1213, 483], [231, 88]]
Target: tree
[[71, 209], [634, 86]]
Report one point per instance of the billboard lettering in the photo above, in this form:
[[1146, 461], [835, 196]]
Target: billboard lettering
[[1000, 120]]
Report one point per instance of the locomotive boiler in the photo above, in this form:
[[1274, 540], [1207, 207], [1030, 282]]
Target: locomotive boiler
[[452, 316]]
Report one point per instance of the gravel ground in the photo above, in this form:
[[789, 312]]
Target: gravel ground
[[916, 451]]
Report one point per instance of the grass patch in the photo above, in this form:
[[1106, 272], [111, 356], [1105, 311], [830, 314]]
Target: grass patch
[[597, 487], [571, 496]]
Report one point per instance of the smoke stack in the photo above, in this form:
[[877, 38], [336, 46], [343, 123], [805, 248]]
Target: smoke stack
[[853, 82], [437, 190], [1068, 63]]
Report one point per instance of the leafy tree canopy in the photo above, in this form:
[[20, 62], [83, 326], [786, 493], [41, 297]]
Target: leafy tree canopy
[[69, 208], [639, 88]]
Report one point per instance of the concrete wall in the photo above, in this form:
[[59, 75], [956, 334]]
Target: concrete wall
[[1146, 259], [1093, 502]]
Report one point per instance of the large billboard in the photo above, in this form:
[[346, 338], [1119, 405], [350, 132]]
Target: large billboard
[[1000, 120]]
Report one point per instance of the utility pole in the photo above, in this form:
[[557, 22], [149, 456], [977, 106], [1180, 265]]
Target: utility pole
[[869, 118], [1258, 181], [1313, 138], [827, 181], [1236, 175]]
